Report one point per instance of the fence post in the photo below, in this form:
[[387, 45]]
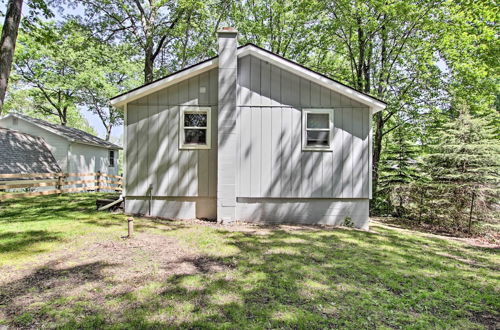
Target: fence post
[[471, 209], [60, 183], [98, 179], [421, 205]]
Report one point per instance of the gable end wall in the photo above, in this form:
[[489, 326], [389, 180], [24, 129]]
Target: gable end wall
[[271, 161]]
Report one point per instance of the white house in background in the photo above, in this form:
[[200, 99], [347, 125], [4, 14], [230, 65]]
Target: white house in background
[[74, 150], [249, 135]]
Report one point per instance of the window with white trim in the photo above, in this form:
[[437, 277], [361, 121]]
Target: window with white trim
[[317, 129], [194, 128]]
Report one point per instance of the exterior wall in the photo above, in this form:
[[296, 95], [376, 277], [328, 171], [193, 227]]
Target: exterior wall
[[71, 157], [156, 166], [57, 145], [324, 211], [271, 160], [88, 159], [275, 180]]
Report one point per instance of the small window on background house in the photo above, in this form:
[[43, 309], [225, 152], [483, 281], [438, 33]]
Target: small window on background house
[[317, 127], [111, 158], [14, 121], [194, 128]]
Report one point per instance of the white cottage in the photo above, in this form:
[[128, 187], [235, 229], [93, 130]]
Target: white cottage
[[75, 151], [248, 135]]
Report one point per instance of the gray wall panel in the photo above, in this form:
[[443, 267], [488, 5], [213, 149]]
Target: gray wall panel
[[303, 211], [153, 155], [271, 160]]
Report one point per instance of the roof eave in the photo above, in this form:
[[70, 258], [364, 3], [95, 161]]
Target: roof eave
[[50, 130], [282, 63], [374, 104], [120, 100], [115, 147]]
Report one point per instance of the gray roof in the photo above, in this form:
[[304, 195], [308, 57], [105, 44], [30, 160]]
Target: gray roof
[[25, 153], [72, 134]]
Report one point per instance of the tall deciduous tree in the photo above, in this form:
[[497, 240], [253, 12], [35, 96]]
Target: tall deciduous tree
[[386, 49], [106, 71], [150, 25], [9, 34], [8, 44], [390, 48], [284, 27], [48, 61], [62, 66]]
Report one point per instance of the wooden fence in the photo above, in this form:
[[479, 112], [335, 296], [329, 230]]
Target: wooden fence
[[60, 182]]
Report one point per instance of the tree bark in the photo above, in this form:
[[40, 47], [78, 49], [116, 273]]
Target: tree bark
[[8, 44], [378, 117], [108, 132], [148, 65], [377, 148]]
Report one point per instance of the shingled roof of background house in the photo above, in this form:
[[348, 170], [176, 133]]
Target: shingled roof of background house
[[70, 133], [24, 153]]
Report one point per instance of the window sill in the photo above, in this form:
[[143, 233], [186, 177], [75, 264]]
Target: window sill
[[194, 147], [317, 149]]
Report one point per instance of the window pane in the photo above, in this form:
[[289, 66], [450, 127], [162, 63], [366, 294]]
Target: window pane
[[111, 158], [318, 138], [317, 120], [195, 119], [195, 136]]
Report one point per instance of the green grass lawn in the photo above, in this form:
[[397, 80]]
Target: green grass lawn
[[65, 265]]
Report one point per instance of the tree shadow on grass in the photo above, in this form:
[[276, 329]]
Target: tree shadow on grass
[[302, 279], [313, 279], [49, 281], [19, 241], [44, 208]]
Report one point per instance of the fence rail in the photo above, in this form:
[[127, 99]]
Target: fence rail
[[59, 181]]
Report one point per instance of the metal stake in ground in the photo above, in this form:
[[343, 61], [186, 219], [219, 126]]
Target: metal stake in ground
[[130, 227]]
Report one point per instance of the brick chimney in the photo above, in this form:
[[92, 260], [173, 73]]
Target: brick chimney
[[227, 136]]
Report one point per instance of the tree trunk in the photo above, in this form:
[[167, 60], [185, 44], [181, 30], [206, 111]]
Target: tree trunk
[[8, 44], [148, 65], [108, 131], [64, 116], [378, 118], [377, 149]]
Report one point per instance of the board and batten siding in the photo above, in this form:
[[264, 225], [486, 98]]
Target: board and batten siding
[[271, 162], [155, 164]]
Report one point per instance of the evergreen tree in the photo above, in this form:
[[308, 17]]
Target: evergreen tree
[[464, 166], [399, 169]]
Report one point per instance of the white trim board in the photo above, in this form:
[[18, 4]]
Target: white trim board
[[250, 49]]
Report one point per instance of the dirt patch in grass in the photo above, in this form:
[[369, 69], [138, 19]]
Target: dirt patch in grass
[[96, 272]]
